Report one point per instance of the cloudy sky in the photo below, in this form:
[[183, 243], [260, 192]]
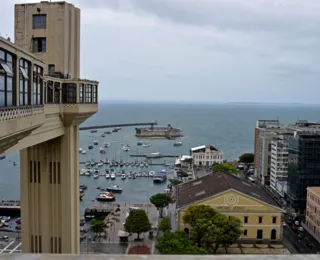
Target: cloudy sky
[[198, 50]]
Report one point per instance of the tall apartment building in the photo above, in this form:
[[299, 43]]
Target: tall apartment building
[[264, 153], [279, 162], [313, 212], [261, 124], [303, 167], [51, 31]]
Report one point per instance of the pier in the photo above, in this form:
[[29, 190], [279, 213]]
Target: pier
[[10, 207], [155, 157], [118, 125]]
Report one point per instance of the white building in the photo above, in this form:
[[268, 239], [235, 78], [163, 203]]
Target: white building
[[206, 155], [279, 163]]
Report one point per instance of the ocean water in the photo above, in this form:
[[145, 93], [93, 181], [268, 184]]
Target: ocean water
[[228, 127]]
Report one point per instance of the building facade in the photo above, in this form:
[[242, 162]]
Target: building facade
[[261, 124], [303, 167], [260, 215], [40, 114], [51, 30], [313, 211], [206, 155], [279, 163]]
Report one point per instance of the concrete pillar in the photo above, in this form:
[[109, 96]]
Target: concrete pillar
[[50, 195]]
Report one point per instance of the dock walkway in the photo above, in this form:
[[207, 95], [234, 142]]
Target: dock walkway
[[117, 125]]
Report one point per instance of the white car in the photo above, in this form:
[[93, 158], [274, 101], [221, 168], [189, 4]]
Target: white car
[[284, 224]]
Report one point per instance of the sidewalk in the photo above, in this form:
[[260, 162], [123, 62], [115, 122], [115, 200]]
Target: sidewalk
[[310, 239]]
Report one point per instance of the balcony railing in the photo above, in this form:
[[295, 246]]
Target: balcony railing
[[9, 113]]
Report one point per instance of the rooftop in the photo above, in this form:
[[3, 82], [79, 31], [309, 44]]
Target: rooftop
[[315, 190], [212, 148], [215, 183]]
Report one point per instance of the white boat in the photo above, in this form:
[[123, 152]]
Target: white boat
[[106, 144], [114, 188], [88, 173], [80, 150], [83, 152], [96, 176], [95, 142], [123, 176], [177, 144], [100, 164], [107, 175], [87, 163], [152, 173], [112, 176], [83, 171], [141, 165], [146, 145], [106, 196], [126, 148], [153, 155]]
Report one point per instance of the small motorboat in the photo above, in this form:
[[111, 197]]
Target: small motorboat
[[146, 145], [103, 135], [90, 147], [112, 176], [88, 173], [107, 132], [151, 173], [83, 152], [102, 150], [95, 142], [96, 176], [114, 188], [80, 150], [81, 196], [2, 157], [123, 176], [106, 196], [83, 187], [177, 144], [115, 130], [107, 176], [100, 164], [126, 148], [93, 164], [140, 143], [106, 144], [94, 131], [83, 171]]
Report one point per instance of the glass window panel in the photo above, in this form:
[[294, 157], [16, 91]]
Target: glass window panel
[[2, 55], [21, 99], [9, 84], [26, 99], [2, 104], [6, 68], [9, 99], [1, 82], [21, 85]]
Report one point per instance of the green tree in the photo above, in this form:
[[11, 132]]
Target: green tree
[[247, 158], [165, 224], [137, 222], [221, 230], [177, 243], [98, 226], [160, 200], [175, 182], [194, 213], [224, 167]]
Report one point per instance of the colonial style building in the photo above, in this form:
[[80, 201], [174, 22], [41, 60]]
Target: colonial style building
[[260, 214], [206, 155]]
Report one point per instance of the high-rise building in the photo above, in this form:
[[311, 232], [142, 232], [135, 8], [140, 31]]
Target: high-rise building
[[261, 125], [279, 163], [303, 167], [51, 31]]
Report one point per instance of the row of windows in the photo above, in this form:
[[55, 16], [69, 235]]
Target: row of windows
[[88, 93], [206, 157], [273, 234], [7, 81], [260, 220]]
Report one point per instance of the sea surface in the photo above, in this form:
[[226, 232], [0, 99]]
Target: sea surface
[[228, 127]]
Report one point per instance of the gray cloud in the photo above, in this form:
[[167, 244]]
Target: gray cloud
[[205, 50]]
